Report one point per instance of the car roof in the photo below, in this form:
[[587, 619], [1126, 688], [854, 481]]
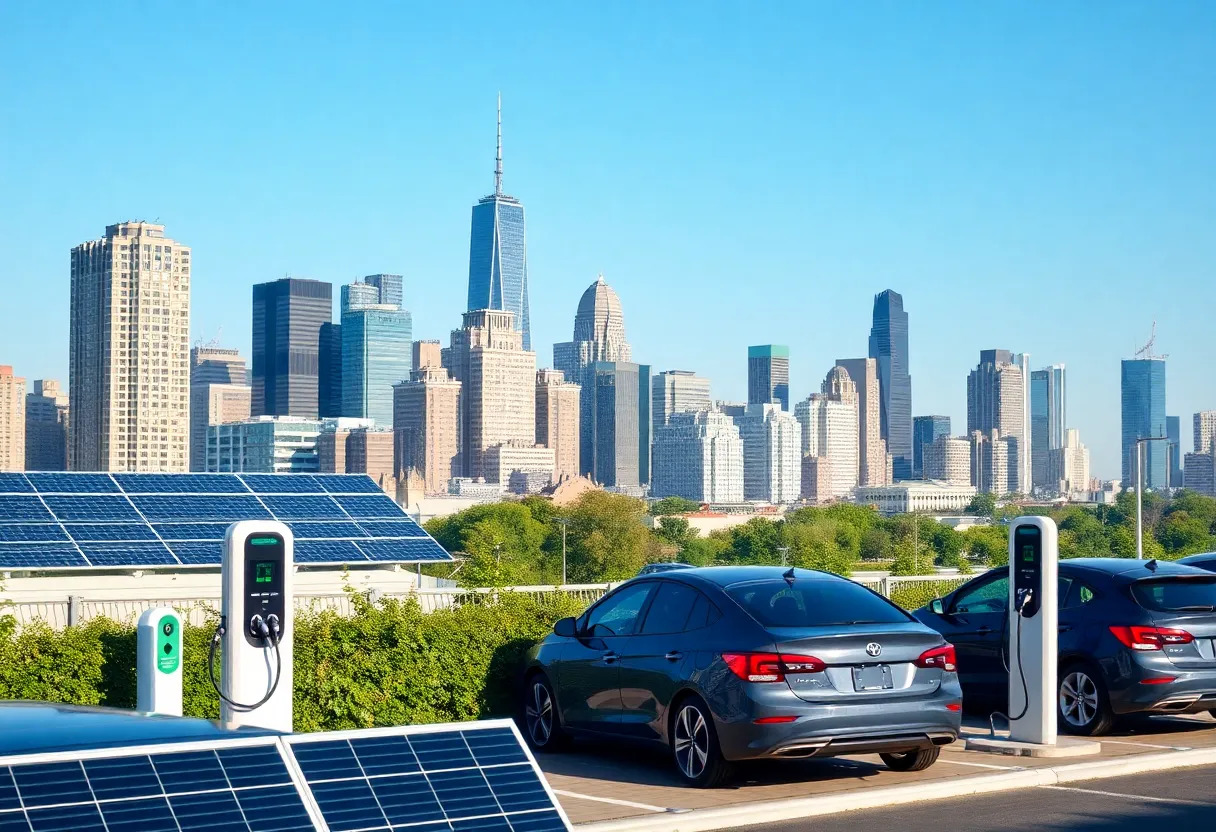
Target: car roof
[[724, 576], [1132, 569], [1200, 557], [36, 727]]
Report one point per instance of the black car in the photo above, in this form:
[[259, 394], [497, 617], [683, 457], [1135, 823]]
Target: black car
[[1206, 560], [735, 663], [1136, 637]]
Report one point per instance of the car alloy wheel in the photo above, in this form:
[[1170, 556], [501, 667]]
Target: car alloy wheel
[[691, 741], [1079, 703], [538, 713]]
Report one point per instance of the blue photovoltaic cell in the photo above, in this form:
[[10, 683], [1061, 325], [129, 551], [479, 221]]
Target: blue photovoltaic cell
[[324, 531], [404, 527], [164, 508], [181, 484], [405, 548], [370, 507], [282, 483], [18, 507], [128, 554], [191, 531], [304, 507], [14, 484], [347, 483], [49, 483], [68, 507], [32, 532], [39, 555], [93, 532], [327, 551], [195, 554]]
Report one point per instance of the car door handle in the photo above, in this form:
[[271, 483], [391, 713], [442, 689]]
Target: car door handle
[[1065, 628], [674, 656], [610, 657], [983, 631]]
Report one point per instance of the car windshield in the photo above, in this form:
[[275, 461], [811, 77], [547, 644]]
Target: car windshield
[[775, 603], [1176, 594]]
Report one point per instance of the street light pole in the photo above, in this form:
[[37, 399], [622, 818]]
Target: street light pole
[[784, 550], [1140, 489]]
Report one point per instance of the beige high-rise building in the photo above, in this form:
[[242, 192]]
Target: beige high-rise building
[[1070, 465], [503, 460], [498, 399], [830, 423], [426, 428], [370, 451], [427, 354], [12, 420], [874, 467], [1205, 431], [46, 426], [218, 394], [129, 371], [557, 420], [948, 460]]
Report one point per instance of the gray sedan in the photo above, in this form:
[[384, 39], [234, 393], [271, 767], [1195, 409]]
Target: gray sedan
[[724, 664]]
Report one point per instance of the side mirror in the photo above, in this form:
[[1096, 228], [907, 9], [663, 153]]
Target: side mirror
[[565, 627], [936, 607]]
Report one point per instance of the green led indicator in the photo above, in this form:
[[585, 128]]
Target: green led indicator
[[168, 645], [263, 572], [264, 541]]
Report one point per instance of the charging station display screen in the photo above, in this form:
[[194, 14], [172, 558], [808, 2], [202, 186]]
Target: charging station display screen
[[263, 571], [1027, 568], [264, 563]]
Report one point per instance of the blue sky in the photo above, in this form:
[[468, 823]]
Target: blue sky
[[1030, 176]]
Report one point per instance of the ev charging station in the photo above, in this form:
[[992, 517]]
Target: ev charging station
[[255, 626], [159, 662]]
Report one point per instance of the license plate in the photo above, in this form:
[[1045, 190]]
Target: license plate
[[872, 677]]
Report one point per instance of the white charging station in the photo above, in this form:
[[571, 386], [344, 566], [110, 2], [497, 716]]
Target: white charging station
[[256, 626], [159, 662]]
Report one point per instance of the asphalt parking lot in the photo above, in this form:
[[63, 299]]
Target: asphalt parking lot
[[600, 782]]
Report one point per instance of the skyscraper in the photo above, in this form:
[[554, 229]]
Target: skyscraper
[[1205, 431], [772, 454], [829, 423], [12, 420], [287, 319], [498, 398], [218, 394], [678, 391], [948, 459], [889, 347], [1047, 421], [620, 425], [925, 430], [996, 391], [389, 287], [498, 259], [599, 335], [46, 427], [1070, 465], [1173, 430], [768, 375], [129, 352], [376, 351], [1142, 395], [698, 455], [873, 459], [329, 371], [994, 462], [557, 417], [427, 354], [426, 427]]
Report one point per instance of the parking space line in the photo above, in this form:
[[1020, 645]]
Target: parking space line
[[980, 765], [1147, 745], [614, 801], [1146, 798]]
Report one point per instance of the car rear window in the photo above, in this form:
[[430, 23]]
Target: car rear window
[[776, 603], [1176, 594]]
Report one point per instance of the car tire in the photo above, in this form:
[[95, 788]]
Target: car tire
[[1082, 702], [694, 745], [541, 723], [911, 760]]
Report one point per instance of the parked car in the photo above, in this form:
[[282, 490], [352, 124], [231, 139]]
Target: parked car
[[668, 566], [1135, 637], [1207, 561], [723, 664]]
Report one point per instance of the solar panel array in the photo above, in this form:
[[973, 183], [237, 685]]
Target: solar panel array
[[70, 520], [445, 778]]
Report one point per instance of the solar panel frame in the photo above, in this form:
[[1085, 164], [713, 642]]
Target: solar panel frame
[[42, 556], [12, 482], [126, 554], [281, 483], [54, 482], [110, 532], [347, 483], [191, 483], [91, 508], [33, 533]]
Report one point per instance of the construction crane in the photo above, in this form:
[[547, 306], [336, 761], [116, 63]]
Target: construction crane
[[1146, 352], [213, 343]]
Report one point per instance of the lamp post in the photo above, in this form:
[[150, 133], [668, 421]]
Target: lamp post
[[565, 523], [1140, 489], [784, 550]]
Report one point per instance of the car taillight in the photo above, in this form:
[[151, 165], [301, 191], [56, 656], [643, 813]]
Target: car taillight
[[940, 657], [1150, 638], [770, 667]]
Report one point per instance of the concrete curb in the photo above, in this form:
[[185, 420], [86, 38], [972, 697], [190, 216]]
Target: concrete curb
[[749, 814]]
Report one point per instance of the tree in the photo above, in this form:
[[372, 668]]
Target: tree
[[817, 546], [705, 551], [607, 540], [1181, 534], [476, 530], [982, 505], [674, 505], [755, 541], [876, 544], [674, 530], [988, 545]]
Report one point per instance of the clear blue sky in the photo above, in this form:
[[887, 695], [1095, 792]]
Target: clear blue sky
[[1031, 176]]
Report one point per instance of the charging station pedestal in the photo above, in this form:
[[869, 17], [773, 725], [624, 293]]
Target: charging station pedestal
[[1033, 652], [256, 621], [159, 662]]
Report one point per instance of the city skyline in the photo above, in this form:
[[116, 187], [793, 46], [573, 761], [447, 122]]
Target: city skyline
[[931, 211]]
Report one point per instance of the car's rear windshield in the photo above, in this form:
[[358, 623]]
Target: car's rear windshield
[[1176, 594], [776, 603]]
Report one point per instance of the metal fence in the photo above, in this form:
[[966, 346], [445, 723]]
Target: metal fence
[[59, 613]]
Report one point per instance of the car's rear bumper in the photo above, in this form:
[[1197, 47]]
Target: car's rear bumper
[[1190, 691]]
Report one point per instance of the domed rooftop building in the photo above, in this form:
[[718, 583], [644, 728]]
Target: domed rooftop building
[[601, 322]]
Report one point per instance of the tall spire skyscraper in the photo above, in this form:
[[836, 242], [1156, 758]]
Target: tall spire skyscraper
[[889, 346], [498, 258]]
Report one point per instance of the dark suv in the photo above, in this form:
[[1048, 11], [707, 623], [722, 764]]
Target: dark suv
[[1135, 637]]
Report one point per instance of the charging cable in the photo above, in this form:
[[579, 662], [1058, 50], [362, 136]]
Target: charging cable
[[1022, 605], [268, 630]]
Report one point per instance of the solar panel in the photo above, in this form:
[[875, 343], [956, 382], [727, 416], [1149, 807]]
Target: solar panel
[[404, 527], [128, 554], [40, 556], [68, 507], [406, 548], [326, 531], [156, 507], [300, 507], [191, 531], [281, 483], [14, 484], [50, 483], [370, 507], [471, 776], [181, 484], [17, 507], [327, 551], [230, 786], [92, 532], [198, 553], [347, 483], [32, 532]]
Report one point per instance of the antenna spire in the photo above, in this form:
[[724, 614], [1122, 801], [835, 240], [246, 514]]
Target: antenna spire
[[498, 158]]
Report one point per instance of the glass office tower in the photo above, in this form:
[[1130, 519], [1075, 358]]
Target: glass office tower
[[1047, 421], [768, 375], [925, 430], [1142, 391], [889, 346], [376, 354]]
